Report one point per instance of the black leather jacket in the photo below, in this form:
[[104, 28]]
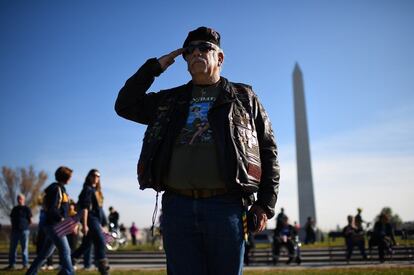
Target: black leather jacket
[[241, 128]]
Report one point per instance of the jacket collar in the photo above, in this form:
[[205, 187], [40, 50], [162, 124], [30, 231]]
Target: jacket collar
[[226, 95]]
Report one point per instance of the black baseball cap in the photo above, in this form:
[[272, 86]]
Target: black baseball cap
[[203, 34]]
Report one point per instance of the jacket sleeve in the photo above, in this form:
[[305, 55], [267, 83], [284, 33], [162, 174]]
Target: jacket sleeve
[[85, 199], [133, 103], [269, 183], [12, 213], [29, 213], [53, 209]]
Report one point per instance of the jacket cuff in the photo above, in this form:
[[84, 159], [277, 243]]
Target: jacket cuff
[[153, 66], [268, 209]]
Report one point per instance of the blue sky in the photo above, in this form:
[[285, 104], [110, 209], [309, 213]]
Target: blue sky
[[63, 63]]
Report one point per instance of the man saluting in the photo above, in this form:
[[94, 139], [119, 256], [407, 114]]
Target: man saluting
[[210, 146]]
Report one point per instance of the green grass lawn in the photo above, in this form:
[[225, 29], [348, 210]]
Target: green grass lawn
[[341, 271]]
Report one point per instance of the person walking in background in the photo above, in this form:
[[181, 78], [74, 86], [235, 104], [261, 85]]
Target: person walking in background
[[353, 236], [358, 219], [280, 217], [21, 218], [310, 237], [383, 236], [113, 218], [133, 230], [90, 204], [56, 209], [210, 145]]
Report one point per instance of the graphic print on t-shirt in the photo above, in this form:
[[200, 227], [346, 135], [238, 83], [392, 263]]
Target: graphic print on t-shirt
[[197, 128]]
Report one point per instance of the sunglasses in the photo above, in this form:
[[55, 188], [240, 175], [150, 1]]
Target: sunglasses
[[202, 47]]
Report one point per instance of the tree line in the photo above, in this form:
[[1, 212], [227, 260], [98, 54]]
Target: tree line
[[24, 181]]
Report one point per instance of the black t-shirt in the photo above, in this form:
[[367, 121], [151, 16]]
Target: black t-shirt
[[113, 218], [194, 160], [20, 217]]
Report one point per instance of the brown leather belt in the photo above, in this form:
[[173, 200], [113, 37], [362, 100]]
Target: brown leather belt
[[199, 193]]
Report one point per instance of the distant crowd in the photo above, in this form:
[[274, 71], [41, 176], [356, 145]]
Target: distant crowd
[[355, 234], [58, 227], [60, 216]]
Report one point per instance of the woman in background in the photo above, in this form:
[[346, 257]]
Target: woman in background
[[92, 218]]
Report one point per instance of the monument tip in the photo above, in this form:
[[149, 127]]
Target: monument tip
[[297, 67]]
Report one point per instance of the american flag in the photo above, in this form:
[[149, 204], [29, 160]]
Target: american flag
[[66, 226], [108, 237]]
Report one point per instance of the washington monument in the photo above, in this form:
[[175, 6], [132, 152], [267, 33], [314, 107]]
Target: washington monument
[[305, 183]]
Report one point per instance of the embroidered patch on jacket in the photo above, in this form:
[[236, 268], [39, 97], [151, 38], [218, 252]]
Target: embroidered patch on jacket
[[254, 171]]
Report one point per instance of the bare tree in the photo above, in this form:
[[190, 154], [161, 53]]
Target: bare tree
[[20, 180]]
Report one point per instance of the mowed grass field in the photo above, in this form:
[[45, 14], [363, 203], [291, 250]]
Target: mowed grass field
[[310, 271]]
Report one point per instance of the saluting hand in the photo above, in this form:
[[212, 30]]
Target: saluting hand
[[168, 59]]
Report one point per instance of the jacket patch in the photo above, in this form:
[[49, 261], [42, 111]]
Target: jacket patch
[[254, 171]]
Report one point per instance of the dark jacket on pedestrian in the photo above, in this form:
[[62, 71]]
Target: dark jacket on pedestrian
[[88, 200], [383, 231], [55, 203]]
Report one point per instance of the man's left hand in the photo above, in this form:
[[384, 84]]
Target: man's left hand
[[261, 217]]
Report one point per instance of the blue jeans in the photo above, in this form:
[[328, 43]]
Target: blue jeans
[[202, 236], [84, 249], [87, 257], [17, 236], [95, 237], [41, 237], [50, 243]]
